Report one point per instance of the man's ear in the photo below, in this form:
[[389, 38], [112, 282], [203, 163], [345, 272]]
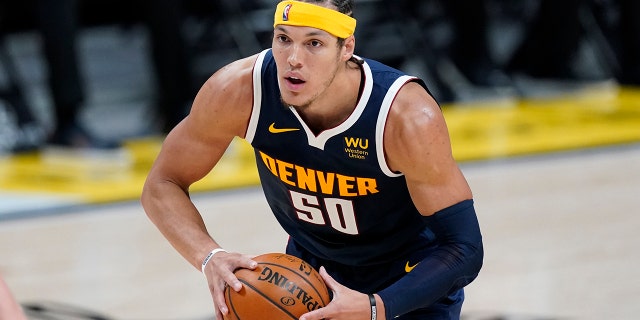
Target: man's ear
[[348, 48]]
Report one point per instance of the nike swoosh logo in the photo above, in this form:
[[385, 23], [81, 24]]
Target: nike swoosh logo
[[273, 129], [408, 268]]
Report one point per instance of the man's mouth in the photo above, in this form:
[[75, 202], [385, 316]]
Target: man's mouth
[[295, 80]]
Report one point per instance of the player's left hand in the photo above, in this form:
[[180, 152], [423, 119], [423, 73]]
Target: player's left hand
[[347, 304]]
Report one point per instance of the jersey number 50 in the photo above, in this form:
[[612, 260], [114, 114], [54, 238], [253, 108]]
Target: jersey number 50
[[339, 211]]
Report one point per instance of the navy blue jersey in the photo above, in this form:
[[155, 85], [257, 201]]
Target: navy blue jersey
[[333, 192]]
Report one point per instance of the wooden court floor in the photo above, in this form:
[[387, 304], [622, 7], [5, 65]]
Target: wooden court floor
[[560, 231]]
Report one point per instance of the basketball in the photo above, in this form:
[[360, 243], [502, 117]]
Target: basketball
[[282, 287]]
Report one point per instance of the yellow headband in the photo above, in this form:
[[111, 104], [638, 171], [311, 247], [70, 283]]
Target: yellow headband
[[302, 14]]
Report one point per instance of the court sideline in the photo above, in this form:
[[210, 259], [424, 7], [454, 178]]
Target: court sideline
[[560, 234]]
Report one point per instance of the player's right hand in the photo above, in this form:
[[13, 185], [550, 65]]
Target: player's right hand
[[219, 274]]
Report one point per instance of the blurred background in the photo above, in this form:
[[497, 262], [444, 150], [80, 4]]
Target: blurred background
[[93, 73], [542, 99]]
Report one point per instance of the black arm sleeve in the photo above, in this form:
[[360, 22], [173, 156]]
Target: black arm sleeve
[[455, 263]]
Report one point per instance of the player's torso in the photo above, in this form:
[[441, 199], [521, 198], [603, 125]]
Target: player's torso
[[332, 192]]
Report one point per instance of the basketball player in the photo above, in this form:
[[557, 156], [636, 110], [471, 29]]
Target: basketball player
[[355, 162]]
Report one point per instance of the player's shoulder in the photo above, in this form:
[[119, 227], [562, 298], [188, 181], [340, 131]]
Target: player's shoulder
[[414, 112], [238, 72], [229, 85], [223, 97], [414, 97]]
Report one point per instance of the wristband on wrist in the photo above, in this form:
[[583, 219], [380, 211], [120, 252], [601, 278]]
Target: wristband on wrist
[[374, 311], [209, 256]]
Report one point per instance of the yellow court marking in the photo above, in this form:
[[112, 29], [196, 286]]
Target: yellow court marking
[[105, 178], [478, 131], [589, 119]]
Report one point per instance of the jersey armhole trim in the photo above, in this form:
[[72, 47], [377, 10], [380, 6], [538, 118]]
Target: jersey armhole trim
[[382, 122], [257, 97]]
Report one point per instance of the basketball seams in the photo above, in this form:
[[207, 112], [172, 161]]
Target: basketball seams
[[275, 303], [230, 302], [301, 276]]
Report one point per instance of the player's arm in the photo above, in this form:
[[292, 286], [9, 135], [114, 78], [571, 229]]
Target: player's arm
[[417, 144], [220, 112], [9, 307]]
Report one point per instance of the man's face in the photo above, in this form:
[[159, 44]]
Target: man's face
[[307, 60]]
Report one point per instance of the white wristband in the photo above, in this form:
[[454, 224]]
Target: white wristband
[[209, 256], [374, 309]]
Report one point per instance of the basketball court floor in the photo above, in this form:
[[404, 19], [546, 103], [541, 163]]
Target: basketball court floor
[[555, 180], [560, 233]]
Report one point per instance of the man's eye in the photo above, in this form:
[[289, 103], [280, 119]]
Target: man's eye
[[315, 43]]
